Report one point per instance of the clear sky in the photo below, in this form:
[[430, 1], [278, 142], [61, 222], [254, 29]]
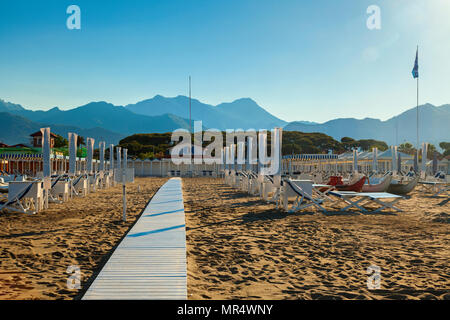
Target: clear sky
[[301, 60]]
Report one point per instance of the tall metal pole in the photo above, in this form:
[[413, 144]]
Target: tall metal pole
[[190, 120], [417, 110], [190, 125]]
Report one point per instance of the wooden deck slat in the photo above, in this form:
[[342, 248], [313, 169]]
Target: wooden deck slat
[[150, 262]]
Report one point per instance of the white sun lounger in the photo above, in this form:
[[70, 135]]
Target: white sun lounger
[[436, 187], [358, 199], [79, 186], [93, 182], [303, 193], [19, 199]]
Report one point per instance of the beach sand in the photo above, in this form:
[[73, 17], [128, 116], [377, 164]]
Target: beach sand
[[35, 251], [239, 247]]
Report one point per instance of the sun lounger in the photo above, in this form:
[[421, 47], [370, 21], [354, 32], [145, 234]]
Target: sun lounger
[[79, 186], [93, 182], [60, 189], [106, 179], [436, 187], [358, 199], [302, 190], [23, 197]]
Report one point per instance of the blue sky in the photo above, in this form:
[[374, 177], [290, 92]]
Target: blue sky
[[301, 60]]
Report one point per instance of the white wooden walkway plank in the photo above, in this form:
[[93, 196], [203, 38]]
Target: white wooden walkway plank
[[150, 262]]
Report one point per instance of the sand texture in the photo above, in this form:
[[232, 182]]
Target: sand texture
[[35, 251], [240, 247]]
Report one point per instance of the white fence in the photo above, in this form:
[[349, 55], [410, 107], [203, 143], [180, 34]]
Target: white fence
[[165, 168]]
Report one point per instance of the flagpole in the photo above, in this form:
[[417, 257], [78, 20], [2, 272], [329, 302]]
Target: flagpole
[[190, 121], [417, 111]]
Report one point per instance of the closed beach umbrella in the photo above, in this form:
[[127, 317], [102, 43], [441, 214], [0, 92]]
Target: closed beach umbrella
[[46, 151], [262, 150], [240, 154], [435, 163], [394, 159], [416, 163], [424, 156], [233, 156], [399, 162], [111, 157], [125, 156], [375, 160], [101, 150], [355, 160], [119, 154], [249, 158], [90, 154], [72, 153]]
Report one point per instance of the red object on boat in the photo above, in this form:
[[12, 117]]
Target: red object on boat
[[334, 180], [356, 187]]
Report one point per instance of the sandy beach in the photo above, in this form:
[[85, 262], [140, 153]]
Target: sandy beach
[[35, 251], [239, 247]]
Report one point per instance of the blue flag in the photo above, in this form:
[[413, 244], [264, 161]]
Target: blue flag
[[415, 71]]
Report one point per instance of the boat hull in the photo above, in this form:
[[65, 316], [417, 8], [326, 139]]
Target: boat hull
[[379, 187], [402, 188], [356, 187]]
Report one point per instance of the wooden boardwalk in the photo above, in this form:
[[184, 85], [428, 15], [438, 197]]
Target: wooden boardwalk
[[150, 262]]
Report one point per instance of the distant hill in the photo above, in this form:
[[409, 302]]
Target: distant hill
[[16, 129], [433, 126], [242, 113], [161, 114], [103, 115]]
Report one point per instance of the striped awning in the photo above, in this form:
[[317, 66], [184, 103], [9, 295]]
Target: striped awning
[[21, 156], [311, 156]]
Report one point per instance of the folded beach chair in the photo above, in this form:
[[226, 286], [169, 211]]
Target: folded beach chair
[[52, 197], [302, 190], [17, 204], [93, 182], [60, 189], [79, 186]]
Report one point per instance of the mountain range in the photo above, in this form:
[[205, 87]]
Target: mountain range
[[105, 121], [433, 126], [242, 113]]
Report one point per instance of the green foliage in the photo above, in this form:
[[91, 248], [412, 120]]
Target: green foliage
[[369, 144], [147, 145], [407, 148], [347, 140], [365, 144], [431, 150], [60, 142], [446, 147], [295, 142], [157, 145]]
